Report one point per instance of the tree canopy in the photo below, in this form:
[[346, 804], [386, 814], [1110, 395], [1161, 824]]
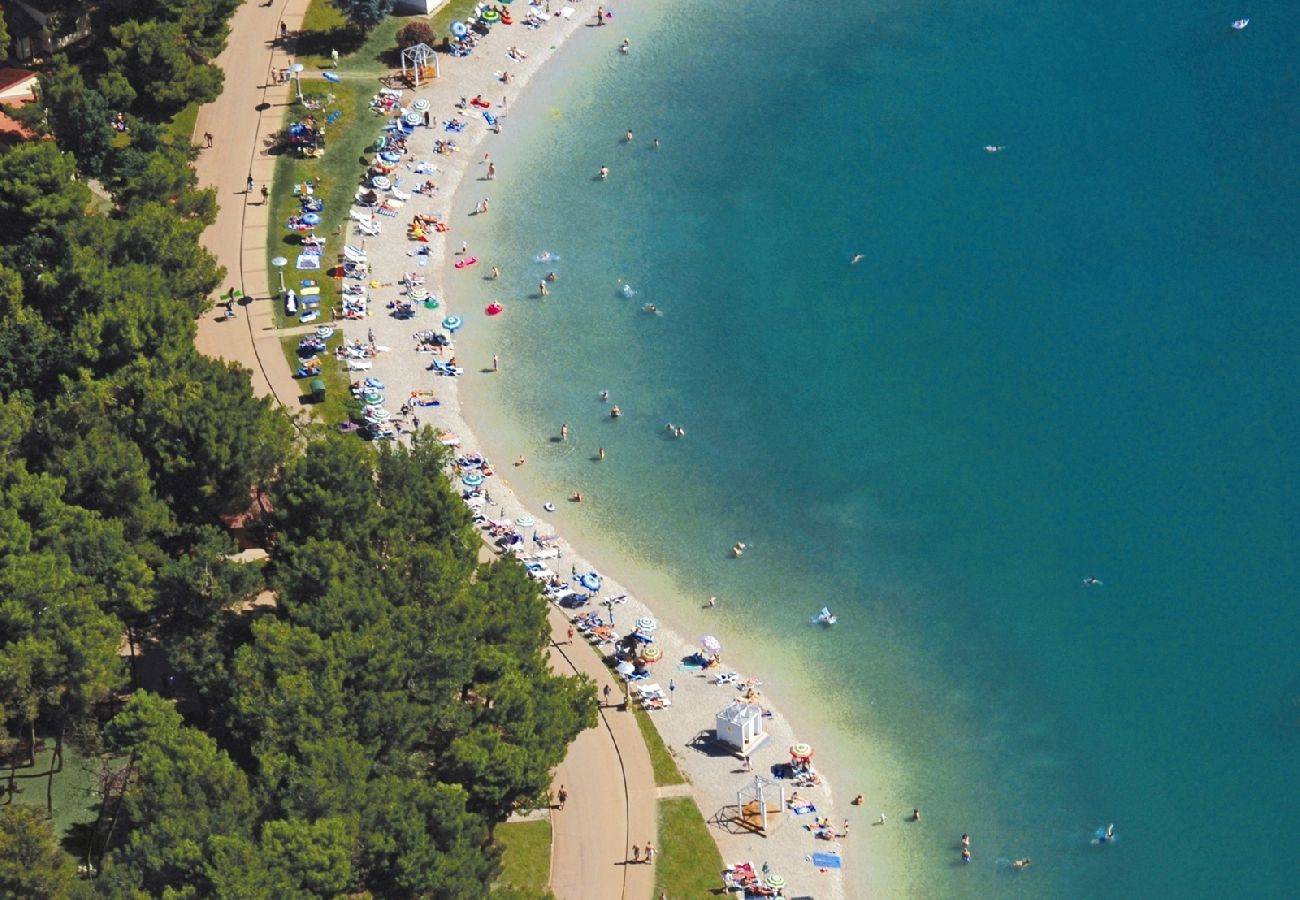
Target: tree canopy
[[363, 733]]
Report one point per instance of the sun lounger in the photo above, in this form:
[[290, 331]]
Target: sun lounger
[[357, 365]]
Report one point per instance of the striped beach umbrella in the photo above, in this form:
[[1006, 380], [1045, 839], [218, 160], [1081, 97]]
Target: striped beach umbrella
[[646, 624], [525, 522], [775, 882], [420, 105], [473, 479], [802, 751], [652, 654]]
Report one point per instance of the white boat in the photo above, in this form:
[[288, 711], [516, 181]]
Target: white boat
[[1240, 24], [824, 618]]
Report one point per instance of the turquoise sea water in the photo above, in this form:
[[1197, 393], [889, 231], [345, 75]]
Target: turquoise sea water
[[1075, 357]]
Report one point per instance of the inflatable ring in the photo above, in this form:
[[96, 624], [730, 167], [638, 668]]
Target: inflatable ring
[[495, 309]]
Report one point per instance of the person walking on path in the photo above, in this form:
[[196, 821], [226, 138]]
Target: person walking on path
[[266, 194], [649, 852], [334, 58], [562, 796], [636, 853], [496, 363], [600, 15], [606, 693], [207, 139], [251, 183], [570, 634]]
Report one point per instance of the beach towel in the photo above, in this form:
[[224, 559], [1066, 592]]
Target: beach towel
[[803, 809], [308, 261], [826, 860]]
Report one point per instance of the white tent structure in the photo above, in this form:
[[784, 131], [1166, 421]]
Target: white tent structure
[[421, 7], [418, 58], [740, 725]]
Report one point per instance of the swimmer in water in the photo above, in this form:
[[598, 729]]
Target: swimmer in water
[[1022, 863], [604, 173], [496, 272], [1110, 832], [604, 396], [600, 453], [615, 412], [965, 854], [994, 148], [1092, 582], [551, 276], [857, 258], [626, 47], [628, 136], [650, 308]]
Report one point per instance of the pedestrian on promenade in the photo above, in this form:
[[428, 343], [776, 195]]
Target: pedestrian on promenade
[[562, 796], [636, 853], [649, 852], [606, 692], [207, 139], [266, 193], [570, 634], [334, 57], [250, 183], [284, 31]]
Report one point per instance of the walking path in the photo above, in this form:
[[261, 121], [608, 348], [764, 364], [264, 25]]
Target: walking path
[[611, 793], [242, 120], [612, 797]]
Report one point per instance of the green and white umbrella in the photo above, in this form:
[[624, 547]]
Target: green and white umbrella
[[775, 882]]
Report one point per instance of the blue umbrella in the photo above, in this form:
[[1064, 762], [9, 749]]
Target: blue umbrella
[[473, 479], [458, 29], [452, 323], [310, 219]]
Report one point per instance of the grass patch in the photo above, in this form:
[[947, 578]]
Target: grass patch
[[526, 857], [324, 30], [688, 863], [665, 767], [180, 130], [72, 790]]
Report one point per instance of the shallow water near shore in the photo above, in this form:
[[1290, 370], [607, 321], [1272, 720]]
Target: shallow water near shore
[[1075, 357]]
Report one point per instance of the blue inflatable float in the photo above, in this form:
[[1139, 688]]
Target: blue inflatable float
[[332, 76]]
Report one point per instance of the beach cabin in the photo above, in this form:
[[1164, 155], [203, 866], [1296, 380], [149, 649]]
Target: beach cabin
[[740, 726], [417, 7]]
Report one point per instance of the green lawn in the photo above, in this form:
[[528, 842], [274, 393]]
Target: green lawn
[[688, 864], [665, 768], [181, 128], [73, 790], [526, 857]]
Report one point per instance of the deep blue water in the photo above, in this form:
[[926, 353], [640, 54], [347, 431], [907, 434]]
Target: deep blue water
[[1074, 357]]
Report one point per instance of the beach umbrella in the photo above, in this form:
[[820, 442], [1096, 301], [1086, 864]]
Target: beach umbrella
[[775, 881], [452, 323], [374, 398], [417, 294], [801, 752], [646, 624], [379, 182], [473, 479], [458, 29], [710, 645], [420, 105], [525, 522], [412, 118], [624, 668], [310, 219], [652, 654]]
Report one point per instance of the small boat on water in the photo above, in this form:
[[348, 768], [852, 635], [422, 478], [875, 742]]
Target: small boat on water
[[1239, 24], [824, 618]]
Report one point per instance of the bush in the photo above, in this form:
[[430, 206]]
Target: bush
[[418, 32]]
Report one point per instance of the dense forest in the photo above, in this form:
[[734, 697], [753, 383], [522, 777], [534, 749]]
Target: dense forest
[[361, 734]]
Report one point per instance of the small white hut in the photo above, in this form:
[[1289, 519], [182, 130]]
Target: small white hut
[[740, 725]]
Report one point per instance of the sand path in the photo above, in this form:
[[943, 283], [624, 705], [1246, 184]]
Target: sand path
[[238, 236]]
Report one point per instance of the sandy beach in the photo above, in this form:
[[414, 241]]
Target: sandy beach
[[462, 181]]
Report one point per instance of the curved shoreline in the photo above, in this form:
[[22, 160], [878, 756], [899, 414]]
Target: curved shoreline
[[696, 699]]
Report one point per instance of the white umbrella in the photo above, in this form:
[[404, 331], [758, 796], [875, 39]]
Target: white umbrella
[[646, 624], [420, 105], [624, 668], [525, 522], [710, 645]]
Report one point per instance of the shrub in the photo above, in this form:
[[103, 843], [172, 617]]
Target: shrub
[[418, 32]]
